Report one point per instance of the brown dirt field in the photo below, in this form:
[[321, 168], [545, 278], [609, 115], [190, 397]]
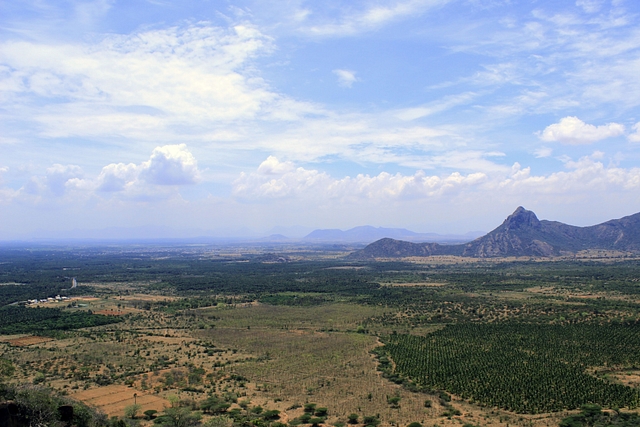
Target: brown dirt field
[[6, 338], [147, 297], [629, 378], [30, 340], [114, 398]]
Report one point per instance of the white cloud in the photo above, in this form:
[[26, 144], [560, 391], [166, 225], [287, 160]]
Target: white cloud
[[6, 194], [574, 62], [56, 181], [116, 176], [388, 186], [346, 78], [272, 166], [573, 131], [142, 84], [275, 179], [589, 6], [635, 137], [543, 152], [356, 21], [170, 165], [444, 104], [88, 12], [586, 176], [313, 184], [359, 138], [168, 168]]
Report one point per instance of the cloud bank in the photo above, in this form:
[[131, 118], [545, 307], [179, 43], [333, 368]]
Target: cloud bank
[[168, 168]]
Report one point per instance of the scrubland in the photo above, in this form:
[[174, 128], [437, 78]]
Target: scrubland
[[330, 342]]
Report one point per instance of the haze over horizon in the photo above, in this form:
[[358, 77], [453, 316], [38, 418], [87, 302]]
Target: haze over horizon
[[437, 116]]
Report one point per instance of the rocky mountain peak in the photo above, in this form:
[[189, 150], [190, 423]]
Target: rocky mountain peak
[[521, 218]]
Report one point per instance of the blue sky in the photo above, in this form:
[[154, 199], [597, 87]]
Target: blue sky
[[434, 115]]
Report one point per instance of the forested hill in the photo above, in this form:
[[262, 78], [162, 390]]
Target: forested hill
[[522, 234]]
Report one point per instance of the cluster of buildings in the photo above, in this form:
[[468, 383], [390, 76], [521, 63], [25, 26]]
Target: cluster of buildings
[[57, 298]]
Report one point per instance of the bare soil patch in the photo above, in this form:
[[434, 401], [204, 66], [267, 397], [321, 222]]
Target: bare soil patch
[[29, 340], [114, 398], [629, 378]]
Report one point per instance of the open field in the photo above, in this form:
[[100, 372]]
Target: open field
[[28, 340], [113, 399]]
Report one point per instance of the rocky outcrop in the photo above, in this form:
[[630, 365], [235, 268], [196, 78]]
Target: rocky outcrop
[[522, 234]]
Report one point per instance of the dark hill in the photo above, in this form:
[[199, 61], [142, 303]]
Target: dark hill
[[522, 234]]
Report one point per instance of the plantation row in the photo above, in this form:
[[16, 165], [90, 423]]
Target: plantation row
[[519, 367]]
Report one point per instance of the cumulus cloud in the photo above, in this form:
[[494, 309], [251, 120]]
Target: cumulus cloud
[[275, 179], [305, 183], [583, 176], [57, 180], [116, 176], [272, 166], [170, 165], [573, 131], [346, 78], [587, 175], [168, 168]]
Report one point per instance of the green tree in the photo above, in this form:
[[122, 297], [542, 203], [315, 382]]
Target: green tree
[[394, 401], [150, 414], [179, 417], [6, 369], [305, 418], [271, 414], [219, 421], [131, 411], [321, 412], [371, 420], [39, 378]]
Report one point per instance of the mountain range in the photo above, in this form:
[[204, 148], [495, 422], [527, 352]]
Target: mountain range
[[367, 234], [522, 234]]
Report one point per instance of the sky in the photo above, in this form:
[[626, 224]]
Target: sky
[[223, 118]]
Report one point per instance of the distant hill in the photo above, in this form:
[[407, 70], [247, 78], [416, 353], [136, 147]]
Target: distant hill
[[522, 234], [367, 234]]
